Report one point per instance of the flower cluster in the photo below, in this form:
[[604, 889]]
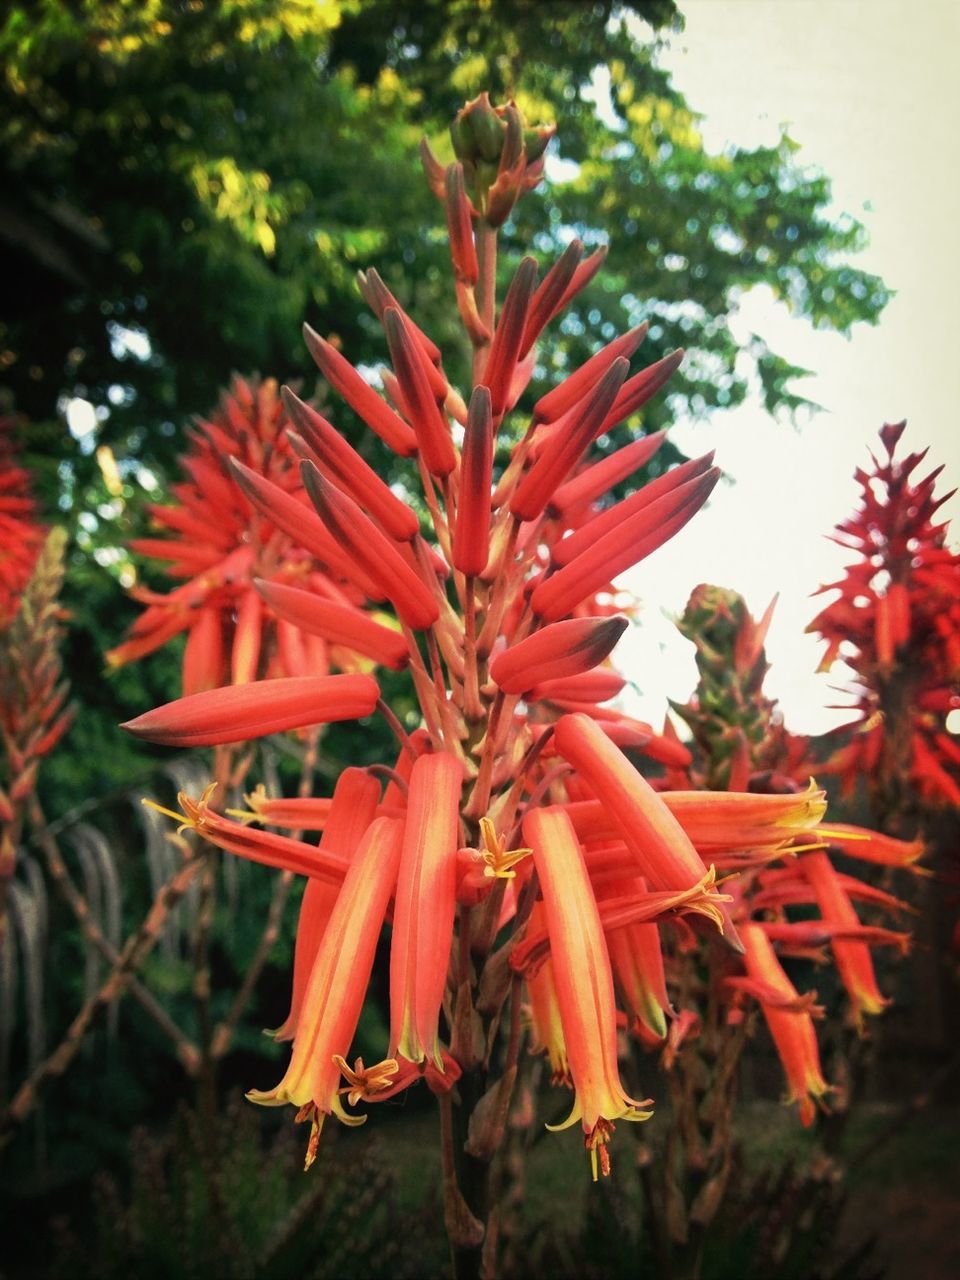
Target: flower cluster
[[21, 536], [255, 601], [742, 745], [896, 622], [514, 845]]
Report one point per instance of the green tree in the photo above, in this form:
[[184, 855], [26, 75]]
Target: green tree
[[184, 182]]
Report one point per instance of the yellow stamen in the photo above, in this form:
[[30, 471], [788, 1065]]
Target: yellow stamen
[[365, 1082], [193, 811], [255, 799], [311, 1112], [167, 813], [499, 860]]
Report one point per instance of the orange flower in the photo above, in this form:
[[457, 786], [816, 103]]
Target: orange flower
[[360, 396], [341, 463], [584, 984], [663, 852], [378, 557], [564, 649], [852, 956], [545, 1009], [425, 907], [338, 984], [339, 624], [637, 961], [233, 714], [413, 372], [623, 546], [352, 810], [790, 1024]]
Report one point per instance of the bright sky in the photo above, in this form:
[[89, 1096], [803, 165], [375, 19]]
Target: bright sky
[[870, 90]]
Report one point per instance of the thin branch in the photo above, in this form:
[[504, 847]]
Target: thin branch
[[186, 1050], [134, 952]]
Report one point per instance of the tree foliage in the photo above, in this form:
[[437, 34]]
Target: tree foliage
[[184, 182], [205, 176]]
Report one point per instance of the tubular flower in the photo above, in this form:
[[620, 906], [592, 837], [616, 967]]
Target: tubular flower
[[636, 957], [852, 956], [663, 853], [896, 622], [338, 984], [584, 983], [563, 649], [258, 846], [545, 1009], [791, 1026], [254, 710], [492, 595], [426, 903], [352, 810]]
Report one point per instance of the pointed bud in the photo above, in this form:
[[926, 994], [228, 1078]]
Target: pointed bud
[[377, 556], [574, 387], [360, 396], [553, 466], [294, 518], [463, 251], [550, 291], [336, 623], [589, 686], [613, 518], [583, 275], [432, 428], [595, 481], [643, 386], [471, 537], [622, 547], [379, 298], [347, 469], [505, 349], [563, 649], [236, 713]]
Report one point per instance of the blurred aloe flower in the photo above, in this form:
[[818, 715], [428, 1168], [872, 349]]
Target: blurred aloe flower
[[896, 622], [21, 534]]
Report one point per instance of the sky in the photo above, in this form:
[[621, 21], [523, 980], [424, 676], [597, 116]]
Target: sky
[[870, 91]]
